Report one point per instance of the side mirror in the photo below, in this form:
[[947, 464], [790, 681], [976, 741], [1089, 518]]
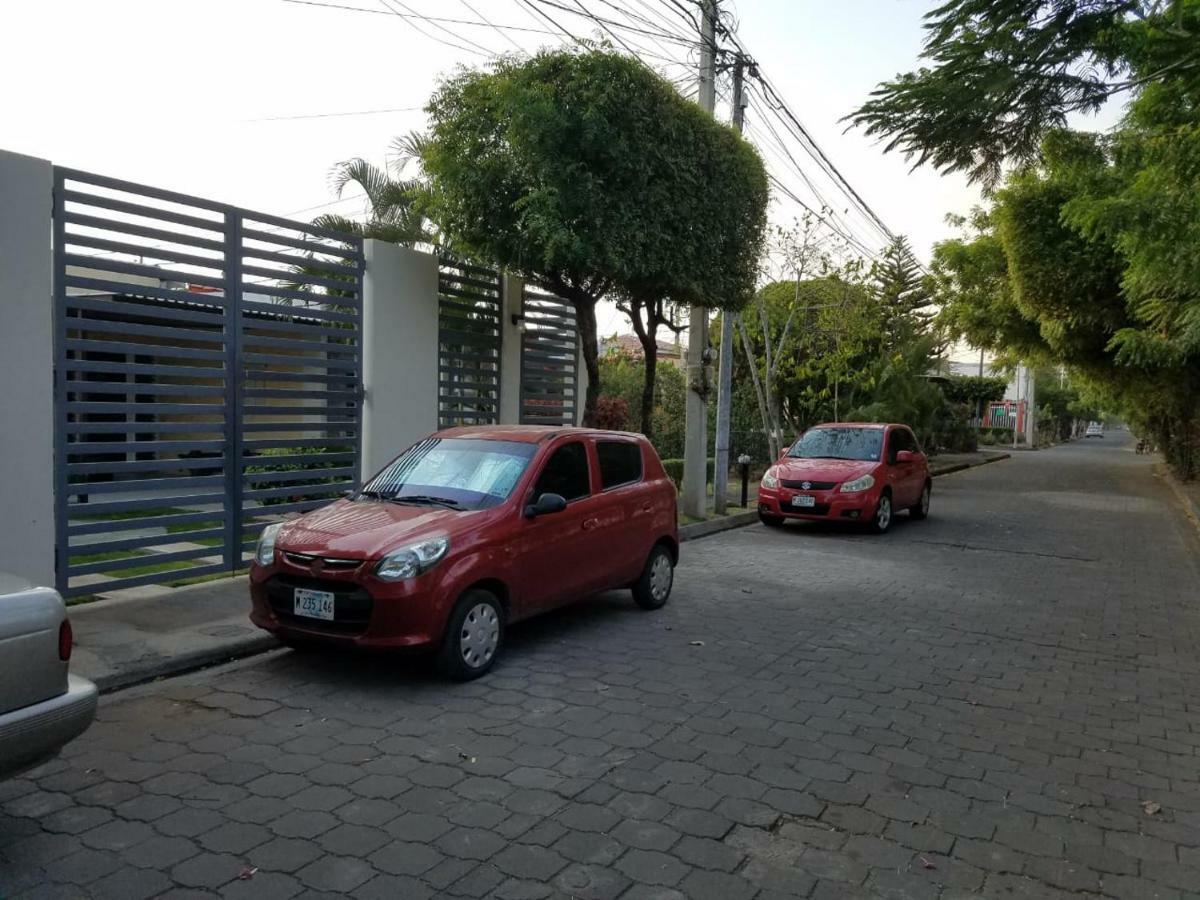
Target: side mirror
[[545, 505], [905, 456]]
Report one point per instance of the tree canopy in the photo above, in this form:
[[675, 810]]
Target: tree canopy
[[588, 174], [1002, 73]]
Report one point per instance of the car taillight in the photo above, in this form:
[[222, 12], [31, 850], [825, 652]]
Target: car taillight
[[66, 639]]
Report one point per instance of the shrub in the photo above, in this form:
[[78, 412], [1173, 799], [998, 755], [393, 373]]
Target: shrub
[[300, 486], [674, 468], [612, 413]]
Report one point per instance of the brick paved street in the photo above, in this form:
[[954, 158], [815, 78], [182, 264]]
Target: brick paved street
[[977, 705]]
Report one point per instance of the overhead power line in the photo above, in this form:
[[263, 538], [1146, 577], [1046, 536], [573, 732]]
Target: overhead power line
[[335, 115]]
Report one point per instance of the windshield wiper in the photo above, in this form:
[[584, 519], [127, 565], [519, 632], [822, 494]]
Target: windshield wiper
[[376, 495], [427, 500]]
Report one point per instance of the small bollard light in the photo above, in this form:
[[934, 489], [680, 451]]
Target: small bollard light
[[744, 464]]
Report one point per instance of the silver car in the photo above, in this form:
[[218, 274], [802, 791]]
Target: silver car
[[42, 706]]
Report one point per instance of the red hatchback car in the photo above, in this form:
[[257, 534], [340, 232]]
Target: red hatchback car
[[849, 472], [466, 532]]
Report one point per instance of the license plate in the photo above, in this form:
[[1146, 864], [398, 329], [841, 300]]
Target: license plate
[[314, 604], [804, 500]]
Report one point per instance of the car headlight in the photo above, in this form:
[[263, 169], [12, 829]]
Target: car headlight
[[769, 480], [862, 483], [264, 554], [412, 560]]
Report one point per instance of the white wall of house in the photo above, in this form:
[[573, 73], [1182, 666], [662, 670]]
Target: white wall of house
[[26, 368]]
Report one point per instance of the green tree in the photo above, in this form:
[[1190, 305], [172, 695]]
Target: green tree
[[900, 289], [1001, 74], [589, 175], [396, 205]]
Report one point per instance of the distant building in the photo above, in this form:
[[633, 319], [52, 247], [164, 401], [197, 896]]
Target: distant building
[[631, 345]]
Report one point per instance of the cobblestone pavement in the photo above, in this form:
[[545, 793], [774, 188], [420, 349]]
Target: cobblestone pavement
[[998, 702]]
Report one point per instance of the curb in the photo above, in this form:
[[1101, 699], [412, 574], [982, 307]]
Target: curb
[[959, 467], [186, 662], [726, 523]]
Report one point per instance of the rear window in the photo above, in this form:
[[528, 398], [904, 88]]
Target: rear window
[[620, 463]]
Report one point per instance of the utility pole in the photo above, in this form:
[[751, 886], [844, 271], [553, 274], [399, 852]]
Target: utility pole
[[725, 378], [695, 446]]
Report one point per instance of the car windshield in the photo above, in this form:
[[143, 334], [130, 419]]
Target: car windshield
[[455, 473], [838, 443]]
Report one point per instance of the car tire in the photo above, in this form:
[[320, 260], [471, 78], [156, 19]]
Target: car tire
[[921, 510], [770, 521], [881, 521], [474, 636], [653, 587]]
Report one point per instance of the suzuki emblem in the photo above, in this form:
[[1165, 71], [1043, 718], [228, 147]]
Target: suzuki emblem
[[806, 484]]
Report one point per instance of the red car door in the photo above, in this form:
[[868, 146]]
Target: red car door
[[554, 557], [919, 469], [900, 474], [625, 532]]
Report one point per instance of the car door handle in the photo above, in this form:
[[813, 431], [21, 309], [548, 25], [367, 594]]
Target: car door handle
[[589, 524], [647, 506]]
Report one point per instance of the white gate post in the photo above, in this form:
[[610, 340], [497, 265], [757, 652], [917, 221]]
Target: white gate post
[[512, 303], [26, 368], [400, 351]]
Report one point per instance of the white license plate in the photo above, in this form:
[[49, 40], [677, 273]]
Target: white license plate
[[314, 604], [804, 500]]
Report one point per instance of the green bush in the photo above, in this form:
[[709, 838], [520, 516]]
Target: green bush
[[300, 486], [674, 468], [999, 435], [987, 439]]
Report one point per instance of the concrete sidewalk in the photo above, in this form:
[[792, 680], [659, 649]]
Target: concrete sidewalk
[[122, 641]]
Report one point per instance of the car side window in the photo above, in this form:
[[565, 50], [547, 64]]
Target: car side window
[[566, 472], [620, 463], [913, 444], [896, 442]]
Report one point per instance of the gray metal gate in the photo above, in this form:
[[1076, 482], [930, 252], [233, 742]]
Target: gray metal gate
[[549, 360], [468, 344], [207, 380]]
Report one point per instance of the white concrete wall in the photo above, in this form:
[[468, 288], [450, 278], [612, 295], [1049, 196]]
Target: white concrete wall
[[400, 351], [512, 301], [26, 368]]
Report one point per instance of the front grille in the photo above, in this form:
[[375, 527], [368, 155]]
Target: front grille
[[330, 564], [351, 603], [812, 485]]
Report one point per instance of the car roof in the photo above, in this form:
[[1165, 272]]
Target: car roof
[[527, 434], [857, 425]]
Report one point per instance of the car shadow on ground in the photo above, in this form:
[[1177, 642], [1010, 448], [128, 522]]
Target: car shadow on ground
[[393, 668], [837, 529]]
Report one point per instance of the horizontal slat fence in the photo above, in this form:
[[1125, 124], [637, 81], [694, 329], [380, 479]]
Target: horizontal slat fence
[[208, 379]]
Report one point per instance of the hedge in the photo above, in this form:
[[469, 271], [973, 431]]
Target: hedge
[[674, 469]]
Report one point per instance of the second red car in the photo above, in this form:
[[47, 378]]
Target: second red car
[[849, 472]]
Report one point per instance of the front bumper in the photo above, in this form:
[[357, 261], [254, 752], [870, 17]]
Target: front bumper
[[368, 613], [33, 734], [831, 504]]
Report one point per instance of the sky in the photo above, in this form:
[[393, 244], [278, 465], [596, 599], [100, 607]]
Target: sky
[[251, 102]]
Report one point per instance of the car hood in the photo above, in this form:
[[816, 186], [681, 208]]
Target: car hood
[[836, 470], [369, 529]]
